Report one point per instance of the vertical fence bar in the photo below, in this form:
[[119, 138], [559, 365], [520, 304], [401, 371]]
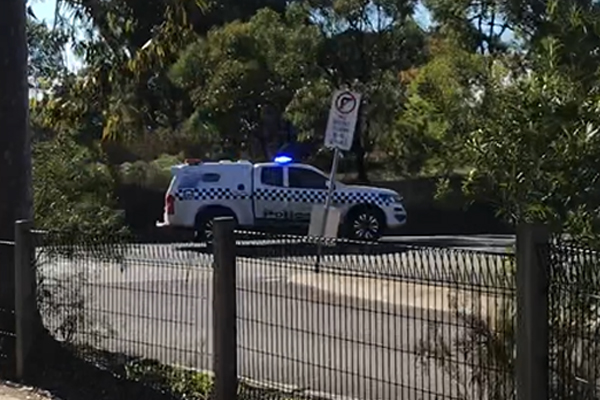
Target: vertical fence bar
[[224, 309], [328, 199], [25, 306], [532, 312]]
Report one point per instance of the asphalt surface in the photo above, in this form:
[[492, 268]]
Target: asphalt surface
[[156, 303], [501, 244]]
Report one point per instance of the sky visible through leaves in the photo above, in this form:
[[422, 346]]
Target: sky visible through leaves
[[44, 10]]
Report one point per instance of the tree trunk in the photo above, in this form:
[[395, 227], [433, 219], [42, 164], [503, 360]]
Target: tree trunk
[[358, 148], [361, 167], [15, 157]]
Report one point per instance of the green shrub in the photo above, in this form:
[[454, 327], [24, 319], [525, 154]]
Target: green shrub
[[152, 175], [480, 359], [191, 384], [73, 190], [180, 382]]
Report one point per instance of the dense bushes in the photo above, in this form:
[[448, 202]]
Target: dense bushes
[[73, 190], [154, 175]]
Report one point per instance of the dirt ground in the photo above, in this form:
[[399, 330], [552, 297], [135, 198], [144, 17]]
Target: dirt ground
[[14, 391]]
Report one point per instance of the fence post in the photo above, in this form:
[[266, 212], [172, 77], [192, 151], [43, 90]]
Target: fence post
[[25, 299], [224, 310], [532, 312]]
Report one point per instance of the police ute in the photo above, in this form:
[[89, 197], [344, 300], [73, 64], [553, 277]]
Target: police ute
[[278, 194]]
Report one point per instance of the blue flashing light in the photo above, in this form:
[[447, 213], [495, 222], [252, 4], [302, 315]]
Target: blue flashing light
[[283, 159]]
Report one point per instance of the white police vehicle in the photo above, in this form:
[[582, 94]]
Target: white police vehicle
[[279, 194]]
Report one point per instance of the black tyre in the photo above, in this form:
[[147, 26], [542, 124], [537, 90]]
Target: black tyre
[[203, 228], [365, 223]]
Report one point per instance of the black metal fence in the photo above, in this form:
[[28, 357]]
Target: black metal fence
[[7, 320], [378, 321], [574, 305], [121, 297], [7, 339]]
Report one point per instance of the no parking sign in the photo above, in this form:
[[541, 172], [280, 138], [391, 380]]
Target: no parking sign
[[342, 119]]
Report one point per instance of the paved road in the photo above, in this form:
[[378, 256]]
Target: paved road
[[157, 303], [485, 243]]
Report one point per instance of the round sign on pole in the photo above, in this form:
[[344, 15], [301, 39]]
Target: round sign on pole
[[345, 103], [343, 116]]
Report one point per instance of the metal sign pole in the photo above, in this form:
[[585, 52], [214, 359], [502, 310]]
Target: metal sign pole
[[330, 189], [339, 135]]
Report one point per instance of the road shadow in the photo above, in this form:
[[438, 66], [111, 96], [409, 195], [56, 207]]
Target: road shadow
[[300, 248], [71, 375]]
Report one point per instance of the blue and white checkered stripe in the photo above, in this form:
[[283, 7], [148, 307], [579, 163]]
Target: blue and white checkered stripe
[[286, 195], [319, 196], [210, 194]]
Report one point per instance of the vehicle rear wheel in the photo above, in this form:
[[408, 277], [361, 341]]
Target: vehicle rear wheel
[[203, 228], [365, 223]]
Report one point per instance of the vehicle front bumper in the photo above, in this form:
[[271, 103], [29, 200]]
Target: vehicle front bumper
[[162, 224], [167, 225]]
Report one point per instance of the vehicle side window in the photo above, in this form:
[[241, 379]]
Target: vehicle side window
[[210, 177], [302, 178], [188, 181], [272, 176]]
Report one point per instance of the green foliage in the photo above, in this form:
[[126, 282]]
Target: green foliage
[[46, 62], [532, 146], [192, 384], [367, 45], [242, 66], [73, 191], [294, 64], [480, 26], [154, 175], [536, 146], [122, 91], [441, 106], [524, 125], [438, 102], [183, 383], [277, 56]]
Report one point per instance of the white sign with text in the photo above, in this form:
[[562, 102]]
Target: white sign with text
[[342, 119]]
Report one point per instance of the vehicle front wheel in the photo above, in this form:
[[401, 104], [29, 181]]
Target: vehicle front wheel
[[365, 224]]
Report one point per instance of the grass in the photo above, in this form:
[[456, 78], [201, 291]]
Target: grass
[[186, 383], [88, 374]]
